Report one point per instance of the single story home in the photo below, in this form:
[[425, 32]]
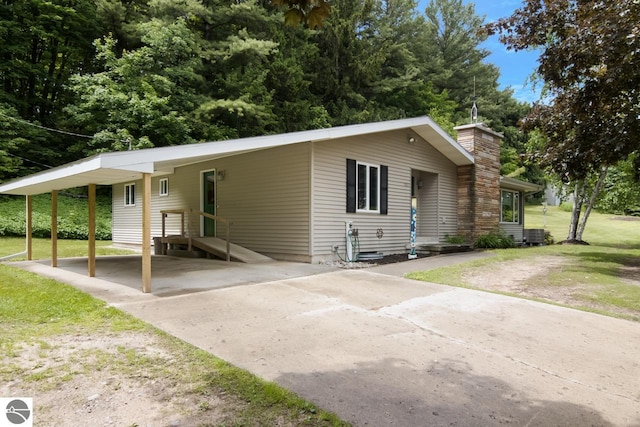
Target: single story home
[[305, 196]]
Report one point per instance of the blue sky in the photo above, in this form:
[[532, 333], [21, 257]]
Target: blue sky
[[515, 67]]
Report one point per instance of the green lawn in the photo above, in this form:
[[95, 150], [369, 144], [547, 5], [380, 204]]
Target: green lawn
[[72, 216], [602, 229], [66, 248], [603, 277]]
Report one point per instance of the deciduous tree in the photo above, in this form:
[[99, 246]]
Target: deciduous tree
[[590, 63], [141, 97]]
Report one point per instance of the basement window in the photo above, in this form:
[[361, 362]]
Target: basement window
[[164, 187], [129, 194]]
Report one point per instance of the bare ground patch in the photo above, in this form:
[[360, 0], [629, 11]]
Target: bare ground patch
[[117, 379], [532, 277], [107, 380]]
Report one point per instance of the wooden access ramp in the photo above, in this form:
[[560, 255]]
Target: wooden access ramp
[[218, 247]]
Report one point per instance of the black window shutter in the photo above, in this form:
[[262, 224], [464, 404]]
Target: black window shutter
[[351, 186], [384, 190]]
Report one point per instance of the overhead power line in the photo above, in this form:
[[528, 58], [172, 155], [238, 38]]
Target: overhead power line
[[79, 135], [28, 160]]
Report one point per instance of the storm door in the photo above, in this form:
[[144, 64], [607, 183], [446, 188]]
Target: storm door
[[209, 202]]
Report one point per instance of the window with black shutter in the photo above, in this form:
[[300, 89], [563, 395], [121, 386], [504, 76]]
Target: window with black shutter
[[367, 187]]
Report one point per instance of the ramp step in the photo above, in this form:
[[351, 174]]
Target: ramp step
[[218, 247]]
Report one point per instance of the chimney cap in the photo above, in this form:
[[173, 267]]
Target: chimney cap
[[481, 127]]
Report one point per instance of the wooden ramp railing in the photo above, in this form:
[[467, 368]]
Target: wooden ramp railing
[[188, 229]]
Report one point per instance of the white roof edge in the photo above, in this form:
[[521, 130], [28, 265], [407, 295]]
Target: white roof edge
[[81, 166], [451, 141], [157, 154], [143, 161], [517, 184]]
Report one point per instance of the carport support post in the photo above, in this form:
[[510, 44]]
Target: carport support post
[[92, 230], [54, 228], [29, 227], [146, 232]]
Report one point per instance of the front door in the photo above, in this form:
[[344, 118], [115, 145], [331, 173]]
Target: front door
[[209, 202]]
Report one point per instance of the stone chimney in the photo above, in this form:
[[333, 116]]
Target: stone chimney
[[479, 184]]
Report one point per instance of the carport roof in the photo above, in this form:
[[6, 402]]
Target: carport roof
[[123, 166]]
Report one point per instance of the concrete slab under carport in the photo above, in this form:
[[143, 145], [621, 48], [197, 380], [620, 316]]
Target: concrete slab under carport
[[172, 275]]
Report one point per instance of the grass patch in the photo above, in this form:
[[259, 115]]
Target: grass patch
[[72, 216], [66, 248], [603, 277], [48, 337], [32, 306], [601, 230]]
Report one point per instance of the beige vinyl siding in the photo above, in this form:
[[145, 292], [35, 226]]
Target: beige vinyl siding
[[428, 218], [514, 230], [127, 220], [393, 150], [264, 193]]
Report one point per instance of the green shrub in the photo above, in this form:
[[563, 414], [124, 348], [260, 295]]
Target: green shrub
[[455, 240], [548, 238], [495, 241]]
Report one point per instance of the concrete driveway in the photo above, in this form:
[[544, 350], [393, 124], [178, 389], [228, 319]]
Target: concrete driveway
[[380, 350]]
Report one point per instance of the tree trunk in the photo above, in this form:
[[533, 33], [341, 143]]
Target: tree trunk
[[592, 201], [578, 197]]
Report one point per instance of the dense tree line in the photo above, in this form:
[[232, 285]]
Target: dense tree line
[[140, 73]]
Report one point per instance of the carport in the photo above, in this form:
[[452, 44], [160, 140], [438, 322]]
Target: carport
[[103, 169], [124, 166]]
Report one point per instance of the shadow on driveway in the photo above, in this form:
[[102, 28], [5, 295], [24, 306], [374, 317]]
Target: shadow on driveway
[[444, 393]]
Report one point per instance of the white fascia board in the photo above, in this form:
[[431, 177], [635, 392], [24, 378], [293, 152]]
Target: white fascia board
[[17, 186], [66, 176], [454, 144], [516, 184], [144, 161], [135, 167], [126, 159], [444, 143]]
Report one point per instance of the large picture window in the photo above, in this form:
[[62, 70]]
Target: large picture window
[[130, 195], [510, 206]]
